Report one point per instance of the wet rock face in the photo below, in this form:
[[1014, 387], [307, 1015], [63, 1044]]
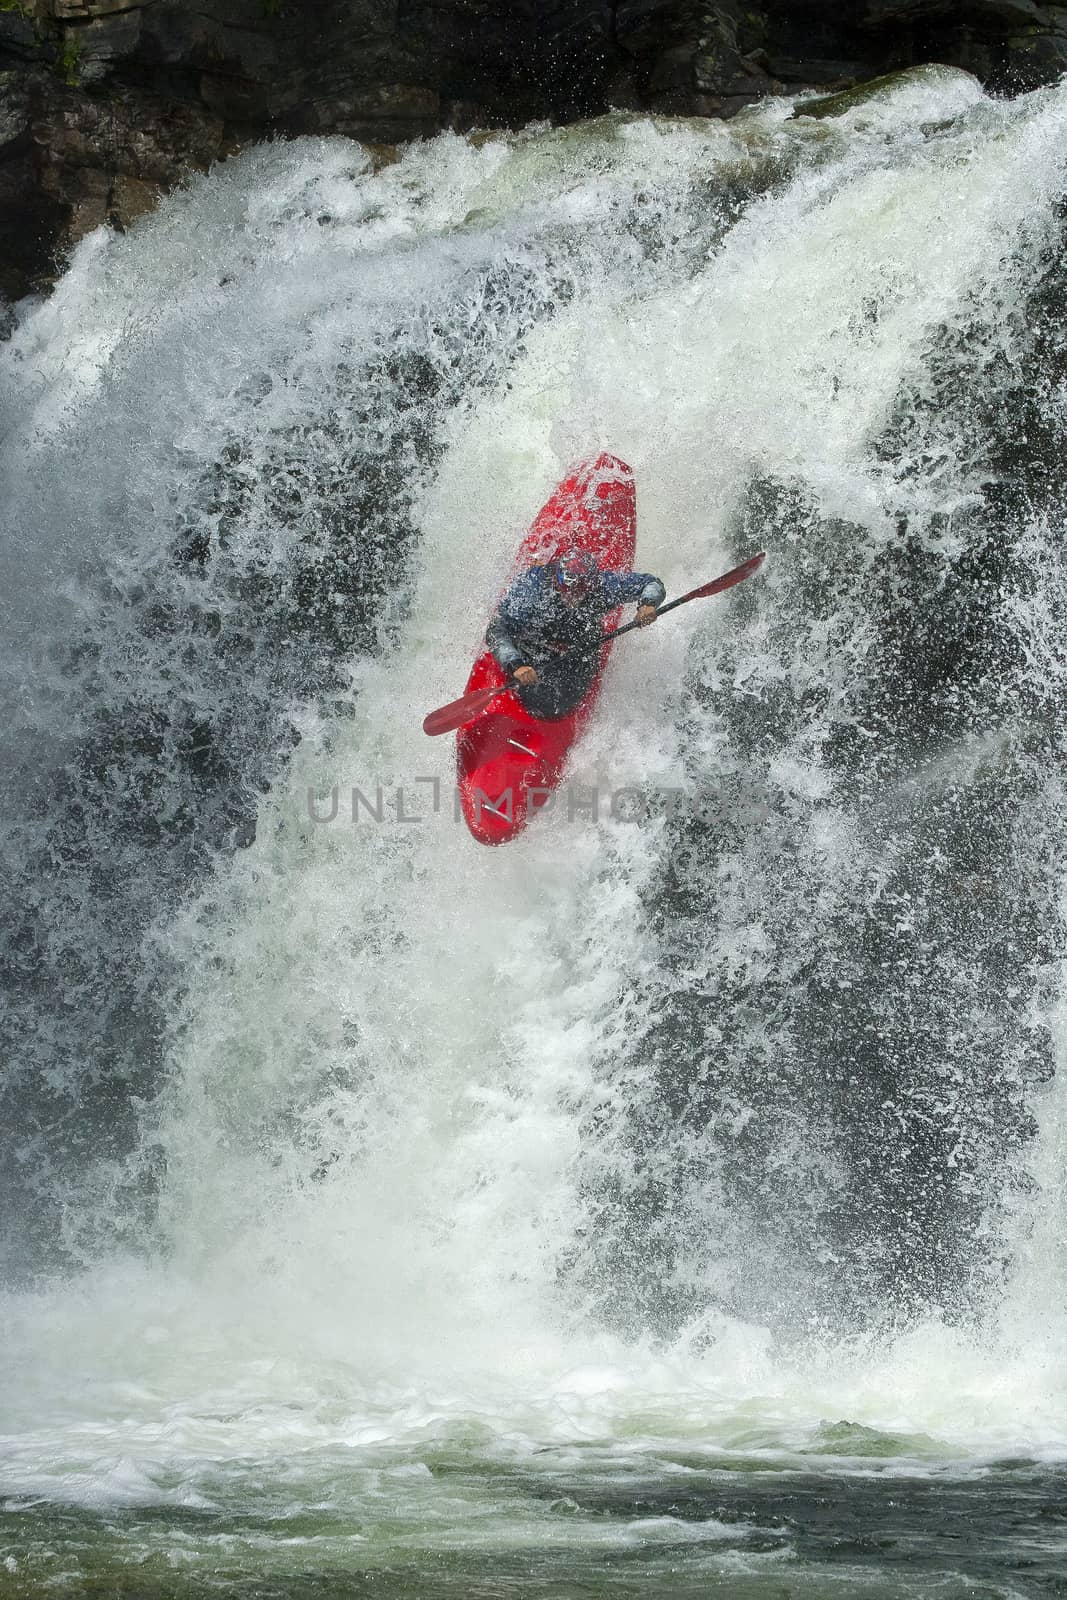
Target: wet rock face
[[71, 160], [103, 103]]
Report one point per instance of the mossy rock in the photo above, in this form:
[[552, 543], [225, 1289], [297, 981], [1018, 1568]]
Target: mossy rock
[[878, 89]]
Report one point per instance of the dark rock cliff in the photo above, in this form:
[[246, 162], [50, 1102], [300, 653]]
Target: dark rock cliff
[[104, 103]]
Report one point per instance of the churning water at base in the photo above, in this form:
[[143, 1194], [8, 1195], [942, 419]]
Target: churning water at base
[[672, 1200]]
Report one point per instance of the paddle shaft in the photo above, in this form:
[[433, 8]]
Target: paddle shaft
[[727, 581], [459, 712], [628, 627]]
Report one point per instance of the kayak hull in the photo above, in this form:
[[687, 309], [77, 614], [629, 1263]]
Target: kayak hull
[[510, 762]]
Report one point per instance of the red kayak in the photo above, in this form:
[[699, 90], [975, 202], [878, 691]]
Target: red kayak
[[510, 762]]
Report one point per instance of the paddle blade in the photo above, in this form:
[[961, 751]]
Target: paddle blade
[[447, 718], [727, 581]]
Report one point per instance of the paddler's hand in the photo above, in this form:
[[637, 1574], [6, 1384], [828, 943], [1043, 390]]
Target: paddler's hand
[[645, 615], [527, 676]]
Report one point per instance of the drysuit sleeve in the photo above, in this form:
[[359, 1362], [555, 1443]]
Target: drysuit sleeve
[[621, 588], [514, 615]]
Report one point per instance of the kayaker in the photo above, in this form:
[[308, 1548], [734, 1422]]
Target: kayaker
[[548, 625]]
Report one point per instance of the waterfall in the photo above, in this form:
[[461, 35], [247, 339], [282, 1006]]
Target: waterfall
[[696, 1102]]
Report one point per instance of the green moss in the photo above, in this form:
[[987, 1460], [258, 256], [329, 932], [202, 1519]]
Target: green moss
[[68, 62], [271, 8], [15, 5]]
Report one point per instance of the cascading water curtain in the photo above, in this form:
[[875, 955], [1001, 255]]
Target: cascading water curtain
[[350, 1165]]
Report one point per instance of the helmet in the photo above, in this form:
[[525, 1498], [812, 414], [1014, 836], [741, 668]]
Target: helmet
[[576, 572]]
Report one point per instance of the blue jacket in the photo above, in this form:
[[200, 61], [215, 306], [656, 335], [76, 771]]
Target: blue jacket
[[534, 624]]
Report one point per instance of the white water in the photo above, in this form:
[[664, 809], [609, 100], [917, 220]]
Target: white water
[[398, 1065]]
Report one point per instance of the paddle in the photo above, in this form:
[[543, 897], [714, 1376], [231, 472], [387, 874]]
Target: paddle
[[446, 718]]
